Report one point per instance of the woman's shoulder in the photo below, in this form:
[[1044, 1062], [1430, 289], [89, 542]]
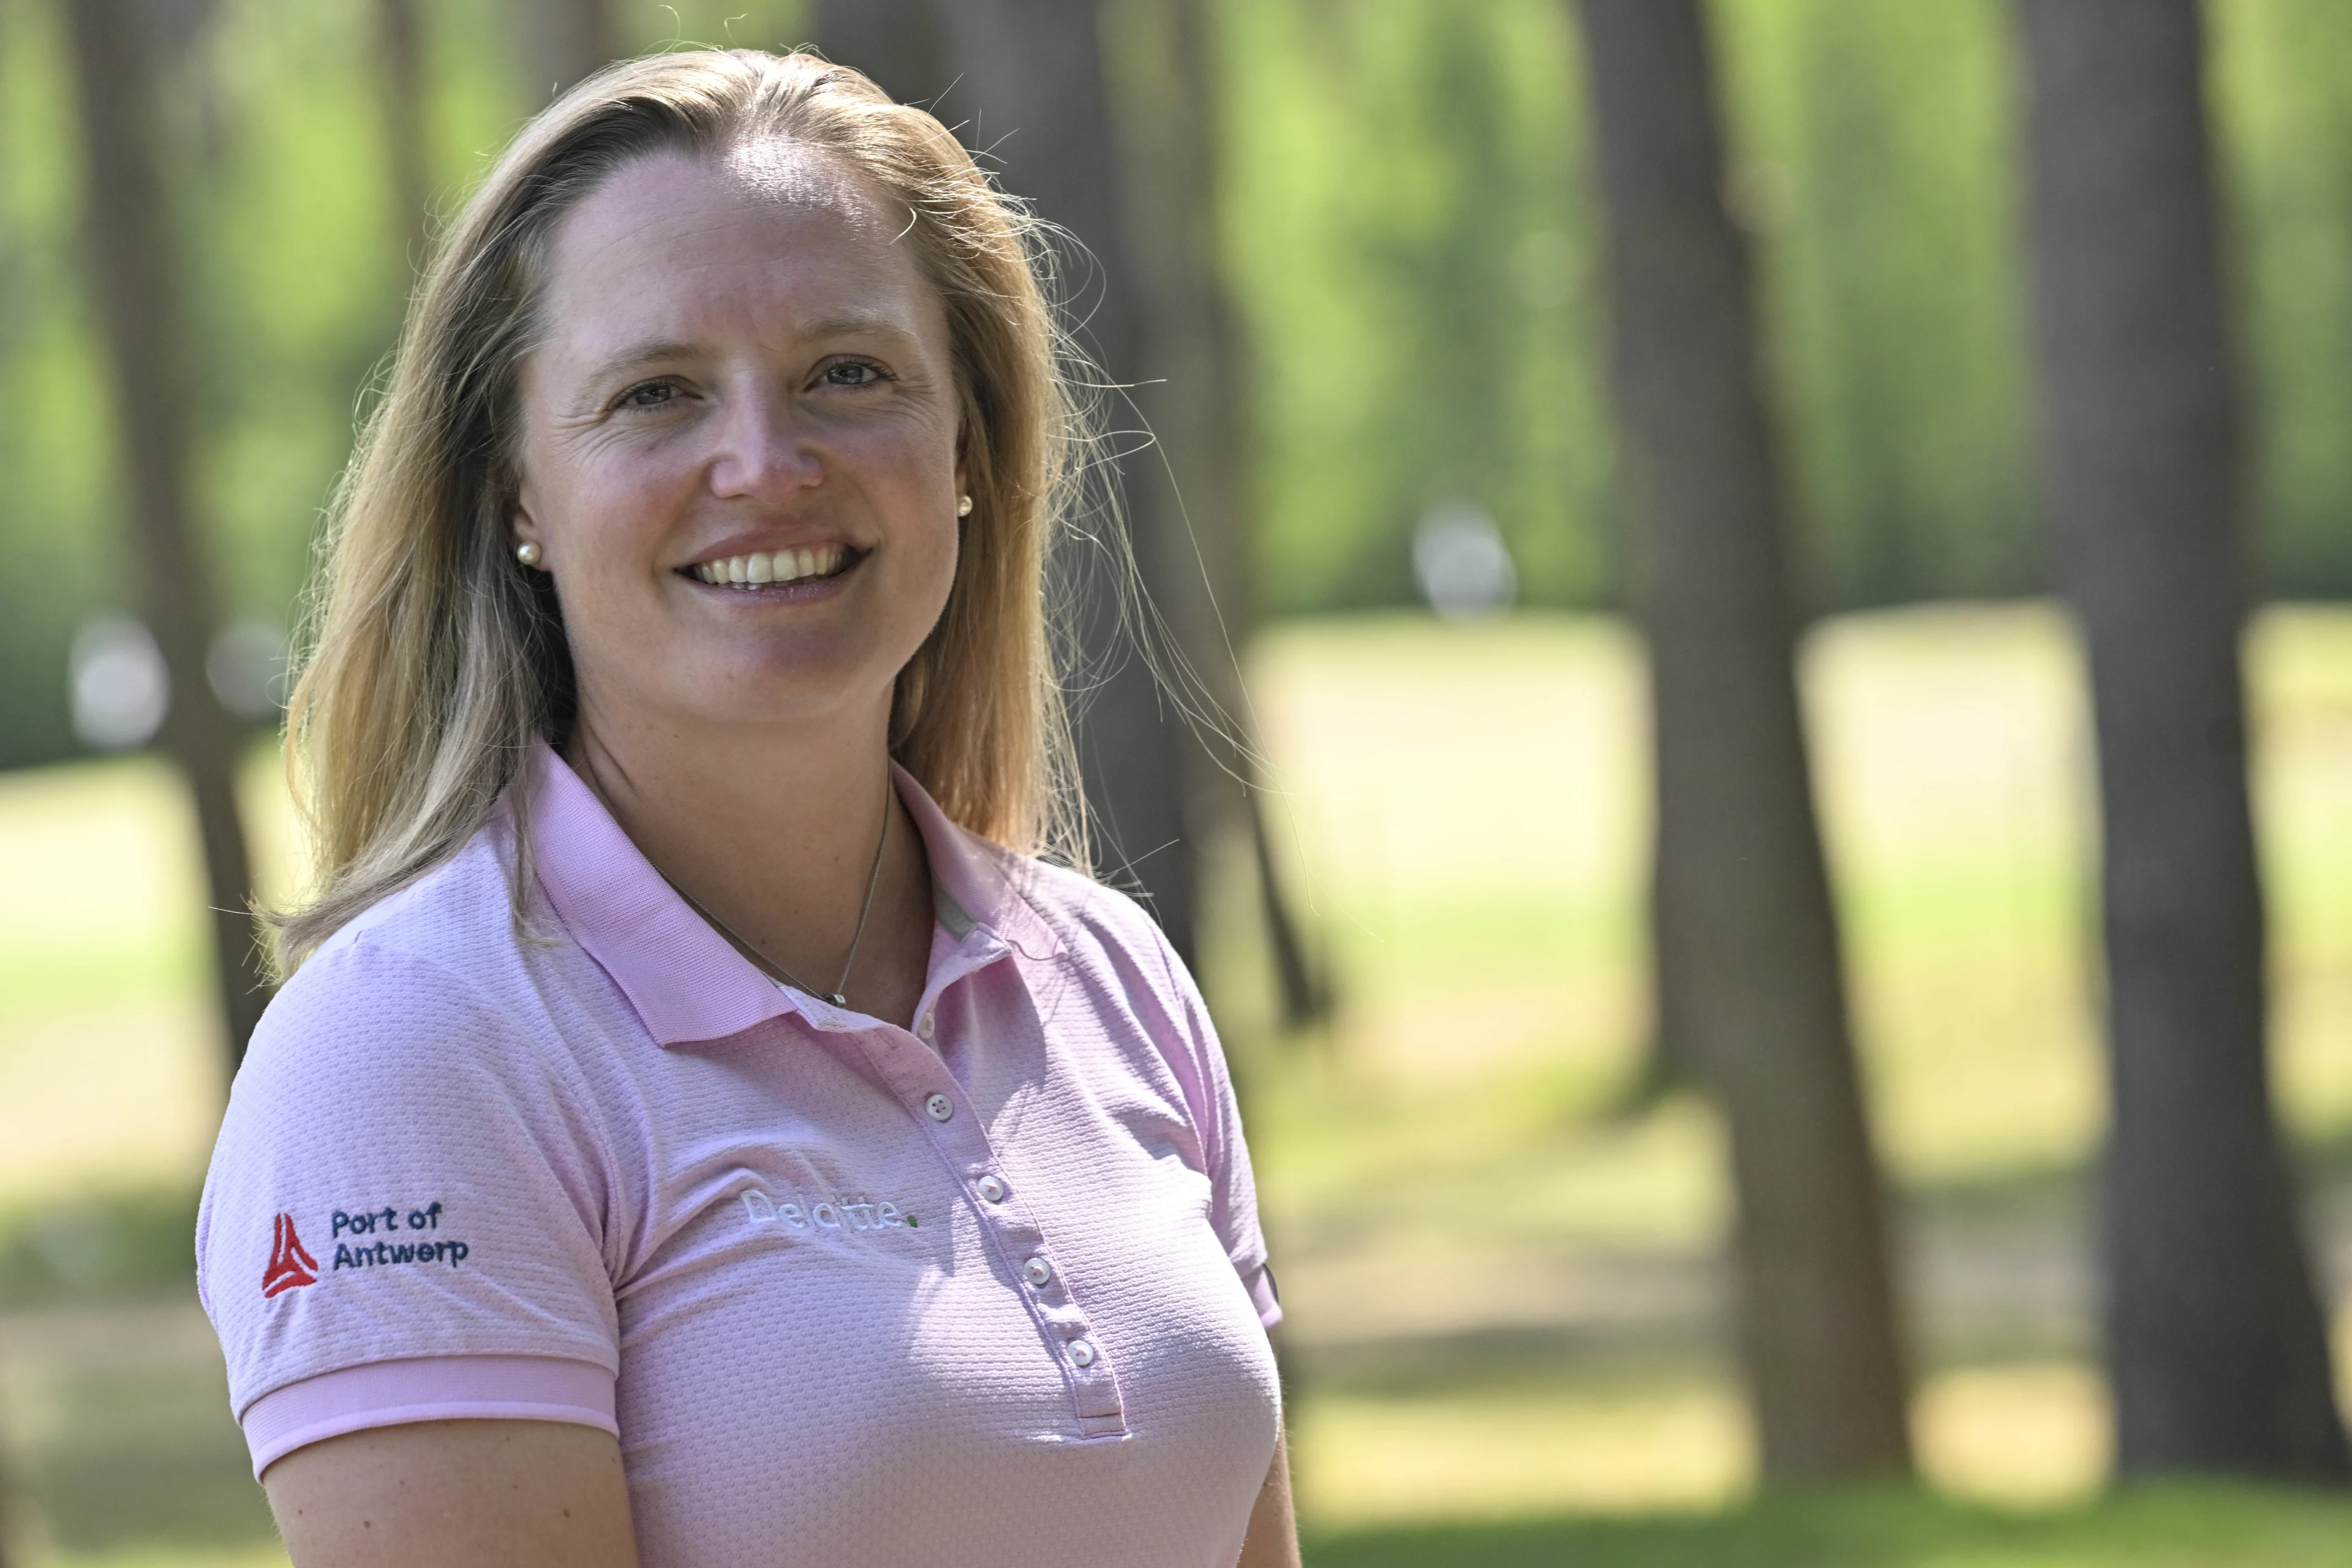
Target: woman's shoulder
[[1082, 908], [1105, 930], [444, 948]]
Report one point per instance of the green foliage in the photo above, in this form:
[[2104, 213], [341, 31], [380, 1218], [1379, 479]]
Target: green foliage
[[55, 506], [1412, 243], [1875, 160], [2278, 84]]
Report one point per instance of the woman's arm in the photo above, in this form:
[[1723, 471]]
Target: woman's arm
[[1273, 1539], [460, 1494]]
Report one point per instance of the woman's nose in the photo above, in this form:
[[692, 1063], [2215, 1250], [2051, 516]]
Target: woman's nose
[[764, 452]]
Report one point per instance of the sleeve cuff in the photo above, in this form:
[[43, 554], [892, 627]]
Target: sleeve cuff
[[430, 1388]]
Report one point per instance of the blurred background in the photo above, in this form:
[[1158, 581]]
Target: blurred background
[[1441, 481]]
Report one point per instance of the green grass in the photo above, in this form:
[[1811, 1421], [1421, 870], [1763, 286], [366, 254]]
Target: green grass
[[2177, 1526]]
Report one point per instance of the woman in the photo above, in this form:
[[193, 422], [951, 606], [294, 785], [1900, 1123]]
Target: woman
[[698, 1129]]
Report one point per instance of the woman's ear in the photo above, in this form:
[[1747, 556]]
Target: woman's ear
[[523, 535]]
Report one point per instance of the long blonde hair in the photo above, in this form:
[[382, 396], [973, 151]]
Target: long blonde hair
[[437, 662]]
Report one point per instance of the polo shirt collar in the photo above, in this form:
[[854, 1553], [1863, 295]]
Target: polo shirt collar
[[685, 979]]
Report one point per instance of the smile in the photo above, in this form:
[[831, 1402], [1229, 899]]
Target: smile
[[769, 568]]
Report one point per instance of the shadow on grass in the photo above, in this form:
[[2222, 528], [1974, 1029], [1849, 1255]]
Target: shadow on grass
[[2173, 1525]]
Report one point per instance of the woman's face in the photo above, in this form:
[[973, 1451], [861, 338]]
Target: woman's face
[[738, 445]]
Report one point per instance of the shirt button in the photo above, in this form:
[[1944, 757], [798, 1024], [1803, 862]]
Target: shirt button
[[1040, 1273], [993, 1189], [1082, 1353], [926, 1026], [938, 1108]]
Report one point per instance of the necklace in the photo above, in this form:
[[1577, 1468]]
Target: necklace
[[838, 995]]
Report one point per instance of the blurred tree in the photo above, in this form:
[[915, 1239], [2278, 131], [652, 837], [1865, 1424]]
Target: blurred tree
[[566, 41], [1188, 524], [400, 78], [135, 280], [2216, 1343], [1197, 403], [898, 43], [1748, 962], [1032, 73]]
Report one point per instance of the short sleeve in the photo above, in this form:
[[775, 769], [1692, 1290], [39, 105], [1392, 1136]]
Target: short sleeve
[[1233, 1189], [405, 1175]]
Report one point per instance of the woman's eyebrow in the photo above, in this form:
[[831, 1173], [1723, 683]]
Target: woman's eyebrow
[[858, 323], [636, 356]]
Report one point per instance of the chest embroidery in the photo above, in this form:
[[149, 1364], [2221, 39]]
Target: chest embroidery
[[843, 1214]]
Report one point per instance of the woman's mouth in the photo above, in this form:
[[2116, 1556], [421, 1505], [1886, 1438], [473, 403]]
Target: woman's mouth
[[775, 568]]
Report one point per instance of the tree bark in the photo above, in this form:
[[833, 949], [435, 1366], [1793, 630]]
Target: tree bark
[[1197, 403], [2216, 1342], [1032, 74], [1751, 972], [400, 82], [135, 280], [567, 41]]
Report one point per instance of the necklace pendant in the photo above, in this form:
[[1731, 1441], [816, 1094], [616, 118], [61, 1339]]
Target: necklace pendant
[[838, 1000]]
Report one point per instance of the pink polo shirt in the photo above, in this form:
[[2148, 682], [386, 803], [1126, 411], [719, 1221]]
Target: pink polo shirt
[[987, 1292]]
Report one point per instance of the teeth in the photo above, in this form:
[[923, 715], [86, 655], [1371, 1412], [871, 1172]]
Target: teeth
[[777, 566]]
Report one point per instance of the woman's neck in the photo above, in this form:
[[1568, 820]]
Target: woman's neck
[[772, 832]]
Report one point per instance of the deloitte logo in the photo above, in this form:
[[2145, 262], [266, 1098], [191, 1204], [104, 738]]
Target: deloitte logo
[[826, 1213]]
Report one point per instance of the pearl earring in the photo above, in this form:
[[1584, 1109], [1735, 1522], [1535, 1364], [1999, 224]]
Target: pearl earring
[[963, 505], [527, 552]]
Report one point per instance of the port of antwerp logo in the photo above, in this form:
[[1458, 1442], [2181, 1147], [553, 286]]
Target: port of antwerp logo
[[289, 1263]]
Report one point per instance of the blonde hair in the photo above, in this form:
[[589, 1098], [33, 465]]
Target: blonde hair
[[437, 661]]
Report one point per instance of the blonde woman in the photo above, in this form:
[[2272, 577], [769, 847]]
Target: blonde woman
[[697, 1128]]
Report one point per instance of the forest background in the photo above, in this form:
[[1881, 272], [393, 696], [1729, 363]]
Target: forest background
[[1505, 1276], [1412, 241]]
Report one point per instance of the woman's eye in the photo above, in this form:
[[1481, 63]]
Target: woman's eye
[[852, 372], [652, 394]]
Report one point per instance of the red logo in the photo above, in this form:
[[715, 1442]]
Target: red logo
[[290, 1264]]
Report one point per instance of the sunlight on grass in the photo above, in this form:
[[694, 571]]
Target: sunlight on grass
[[1365, 1462], [2016, 1435], [110, 1070]]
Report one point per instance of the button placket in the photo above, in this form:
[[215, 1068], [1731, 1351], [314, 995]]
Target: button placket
[[956, 1134], [1094, 1389]]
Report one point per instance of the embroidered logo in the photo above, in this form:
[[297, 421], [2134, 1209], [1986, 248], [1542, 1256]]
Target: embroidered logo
[[289, 1263], [839, 1214], [387, 1221]]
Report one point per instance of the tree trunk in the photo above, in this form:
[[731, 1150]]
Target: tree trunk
[[1032, 75], [567, 41], [400, 79], [2216, 1343], [135, 279], [1197, 403], [1753, 966], [897, 43]]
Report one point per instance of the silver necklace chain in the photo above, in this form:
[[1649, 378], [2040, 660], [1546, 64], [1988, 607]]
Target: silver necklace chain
[[839, 995]]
